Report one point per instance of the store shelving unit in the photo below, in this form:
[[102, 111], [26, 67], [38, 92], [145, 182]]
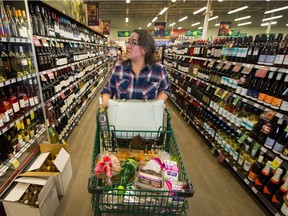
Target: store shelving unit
[[172, 56]]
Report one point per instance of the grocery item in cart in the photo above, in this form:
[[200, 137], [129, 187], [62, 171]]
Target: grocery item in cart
[[127, 173]]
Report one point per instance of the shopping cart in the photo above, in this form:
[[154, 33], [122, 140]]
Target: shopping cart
[[109, 201]]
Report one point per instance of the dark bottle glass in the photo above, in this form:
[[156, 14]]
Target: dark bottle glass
[[273, 184], [256, 169], [279, 95], [277, 198], [277, 129]]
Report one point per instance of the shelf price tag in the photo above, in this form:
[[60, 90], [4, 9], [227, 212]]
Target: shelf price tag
[[15, 163], [276, 163]]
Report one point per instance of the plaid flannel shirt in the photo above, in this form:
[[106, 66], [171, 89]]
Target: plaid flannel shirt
[[151, 81]]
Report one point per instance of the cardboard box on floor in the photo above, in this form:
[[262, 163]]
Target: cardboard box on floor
[[47, 198], [62, 162]]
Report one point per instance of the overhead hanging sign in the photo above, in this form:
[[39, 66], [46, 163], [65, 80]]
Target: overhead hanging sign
[[124, 33], [93, 13], [224, 28], [159, 28], [193, 33], [106, 27]]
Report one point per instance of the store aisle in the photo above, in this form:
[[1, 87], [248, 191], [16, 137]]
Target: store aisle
[[217, 191]]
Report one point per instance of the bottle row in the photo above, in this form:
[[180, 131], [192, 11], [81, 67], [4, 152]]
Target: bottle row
[[259, 85], [17, 99], [245, 157], [21, 133], [51, 54], [16, 61], [45, 21], [263, 50], [263, 127], [30, 197]]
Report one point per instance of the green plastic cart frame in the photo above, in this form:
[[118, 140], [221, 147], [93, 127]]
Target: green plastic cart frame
[[110, 201]]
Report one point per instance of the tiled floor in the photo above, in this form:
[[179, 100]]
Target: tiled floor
[[217, 192]]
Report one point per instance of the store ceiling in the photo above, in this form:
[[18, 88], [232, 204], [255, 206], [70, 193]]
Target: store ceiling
[[147, 9]]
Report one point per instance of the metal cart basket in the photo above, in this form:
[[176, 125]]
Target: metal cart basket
[[109, 201]]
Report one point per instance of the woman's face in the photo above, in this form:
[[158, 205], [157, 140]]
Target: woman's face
[[134, 51]]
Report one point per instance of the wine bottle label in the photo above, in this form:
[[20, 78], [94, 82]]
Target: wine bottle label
[[238, 90], [278, 147], [285, 62], [244, 91], [234, 83], [261, 59], [285, 152], [31, 101], [220, 111], [261, 97], [284, 106], [269, 143], [16, 107], [224, 113], [6, 117], [255, 94], [256, 51], [244, 52], [22, 103], [1, 121], [284, 209], [240, 160], [268, 99], [235, 155], [247, 165], [252, 176], [36, 100], [244, 122], [238, 122], [249, 92], [269, 59], [276, 103], [24, 62], [227, 147], [279, 59], [223, 144], [249, 125]]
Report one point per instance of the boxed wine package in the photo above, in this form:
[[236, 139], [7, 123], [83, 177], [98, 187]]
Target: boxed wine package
[[47, 198], [54, 160]]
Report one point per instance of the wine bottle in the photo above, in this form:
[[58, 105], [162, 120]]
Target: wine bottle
[[275, 133], [272, 50], [265, 131], [277, 198], [266, 87], [5, 21], [284, 105], [265, 49], [273, 184], [263, 176], [256, 169], [271, 93], [12, 24], [278, 148], [279, 95], [279, 59]]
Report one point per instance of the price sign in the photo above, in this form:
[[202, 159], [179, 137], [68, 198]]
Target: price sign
[[242, 138], [15, 163]]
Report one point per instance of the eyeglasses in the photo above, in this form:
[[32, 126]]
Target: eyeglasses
[[133, 42]]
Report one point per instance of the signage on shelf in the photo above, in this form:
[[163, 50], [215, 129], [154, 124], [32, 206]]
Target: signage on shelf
[[124, 33], [191, 33]]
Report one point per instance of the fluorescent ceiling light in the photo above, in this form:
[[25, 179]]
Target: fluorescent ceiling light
[[200, 10], [195, 24], [127, 1], [172, 24], [242, 18], [183, 18], [238, 9], [287, 24], [149, 24], [173, 0], [266, 24], [155, 18], [200, 27], [277, 9], [217, 24], [139, 28], [246, 23], [163, 10], [272, 18], [220, 0], [179, 27], [127, 19], [213, 18]]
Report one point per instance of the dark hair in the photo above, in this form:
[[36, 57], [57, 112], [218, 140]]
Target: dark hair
[[146, 40]]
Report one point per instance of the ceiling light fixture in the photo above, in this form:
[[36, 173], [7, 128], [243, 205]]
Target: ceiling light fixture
[[287, 24], [220, 0], [173, 0], [149, 24], [200, 10], [242, 18], [127, 1], [275, 10], [272, 18], [172, 24], [183, 18], [246, 23], [163, 10], [179, 28], [155, 18], [238, 9], [126, 19], [195, 24], [200, 27], [217, 24], [266, 24], [213, 18]]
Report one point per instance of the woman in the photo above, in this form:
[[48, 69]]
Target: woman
[[139, 77]]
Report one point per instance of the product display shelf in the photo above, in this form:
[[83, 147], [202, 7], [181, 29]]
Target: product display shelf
[[76, 117], [231, 163], [267, 151], [15, 40], [18, 79], [279, 113]]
